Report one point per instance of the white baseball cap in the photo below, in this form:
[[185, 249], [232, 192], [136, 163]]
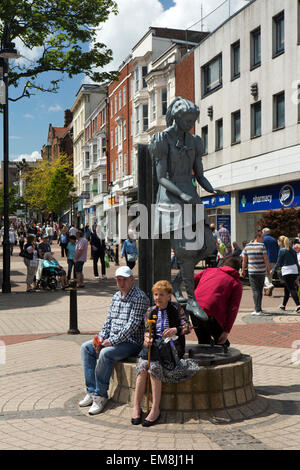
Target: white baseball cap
[[124, 271]]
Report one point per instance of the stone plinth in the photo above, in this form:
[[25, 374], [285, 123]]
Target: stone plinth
[[213, 387]]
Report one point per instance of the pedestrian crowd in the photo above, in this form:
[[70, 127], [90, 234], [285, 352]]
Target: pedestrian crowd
[[263, 260], [35, 241]]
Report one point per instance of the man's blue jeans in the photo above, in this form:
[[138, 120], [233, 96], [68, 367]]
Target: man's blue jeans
[[99, 368]]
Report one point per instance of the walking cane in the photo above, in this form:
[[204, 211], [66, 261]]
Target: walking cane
[[150, 322]]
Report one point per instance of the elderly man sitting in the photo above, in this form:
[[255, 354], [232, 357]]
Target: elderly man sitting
[[53, 265], [122, 335]]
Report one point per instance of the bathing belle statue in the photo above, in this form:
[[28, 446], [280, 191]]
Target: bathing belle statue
[[179, 212]]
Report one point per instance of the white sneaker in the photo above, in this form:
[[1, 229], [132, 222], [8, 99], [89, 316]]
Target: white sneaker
[[281, 307], [257, 313], [97, 277], [98, 405], [87, 401]]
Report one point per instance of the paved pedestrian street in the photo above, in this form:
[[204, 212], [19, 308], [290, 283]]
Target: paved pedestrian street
[[41, 379]]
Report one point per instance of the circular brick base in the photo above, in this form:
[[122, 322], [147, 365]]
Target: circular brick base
[[211, 388]]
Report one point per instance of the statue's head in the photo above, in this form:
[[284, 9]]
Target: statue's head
[[184, 112]]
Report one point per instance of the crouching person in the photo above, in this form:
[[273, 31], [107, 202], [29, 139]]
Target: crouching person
[[122, 335]]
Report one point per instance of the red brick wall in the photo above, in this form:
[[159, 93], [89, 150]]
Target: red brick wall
[[184, 73], [125, 113]]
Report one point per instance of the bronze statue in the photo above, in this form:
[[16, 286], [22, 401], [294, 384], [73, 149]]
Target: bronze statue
[[177, 157]]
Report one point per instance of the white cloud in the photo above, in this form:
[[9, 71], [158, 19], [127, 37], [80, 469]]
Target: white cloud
[[120, 33], [28, 116], [28, 157], [15, 137], [27, 55], [54, 109]]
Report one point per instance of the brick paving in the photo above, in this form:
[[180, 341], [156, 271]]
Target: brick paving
[[41, 379]]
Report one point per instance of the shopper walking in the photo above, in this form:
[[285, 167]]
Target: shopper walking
[[272, 253], [129, 249], [288, 261], [98, 251], [255, 256]]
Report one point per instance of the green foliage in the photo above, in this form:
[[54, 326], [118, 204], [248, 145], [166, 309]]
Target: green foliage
[[65, 31], [286, 222], [48, 184], [14, 200], [57, 192]]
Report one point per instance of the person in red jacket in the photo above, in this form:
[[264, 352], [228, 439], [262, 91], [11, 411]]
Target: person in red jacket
[[218, 292]]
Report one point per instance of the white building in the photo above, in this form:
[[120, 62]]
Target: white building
[[87, 98], [247, 75], [94, 164]]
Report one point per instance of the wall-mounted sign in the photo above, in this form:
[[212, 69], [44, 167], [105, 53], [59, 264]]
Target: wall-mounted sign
[[216, 201], [270, 197]]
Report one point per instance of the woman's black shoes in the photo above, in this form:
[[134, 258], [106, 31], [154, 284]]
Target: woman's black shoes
[[136, 421], [147, 423]]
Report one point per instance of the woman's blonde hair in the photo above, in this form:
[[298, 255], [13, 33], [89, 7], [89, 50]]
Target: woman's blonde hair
[[162, 285], [284, 241]]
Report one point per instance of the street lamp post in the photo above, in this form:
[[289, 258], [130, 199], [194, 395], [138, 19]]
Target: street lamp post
[[7, 52]]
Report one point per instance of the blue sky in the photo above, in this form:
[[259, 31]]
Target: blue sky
[[29, 119]]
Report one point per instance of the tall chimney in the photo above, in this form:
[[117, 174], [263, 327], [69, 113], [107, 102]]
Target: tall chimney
[[68, 117]]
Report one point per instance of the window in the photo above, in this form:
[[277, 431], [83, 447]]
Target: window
[[219, 134], [137, 120], [145, 117], [103, 146], [124, 95], [278, 111], [116, 136], [111, 140], [278, 34], [104, 182], [153, 99], [124, 130], [95, 186], [255, 48], [116, 103], [125, 164], [95, 156], [87, 159], [120, 99], [164, 101], [204, 134], [144, 73], [137, 79], [120, 134], [235, 60], [256, 119], [111, 108], [212, 75], [236, 127]]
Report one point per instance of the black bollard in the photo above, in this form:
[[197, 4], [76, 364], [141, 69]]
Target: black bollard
[[117, 256], [73, 330]]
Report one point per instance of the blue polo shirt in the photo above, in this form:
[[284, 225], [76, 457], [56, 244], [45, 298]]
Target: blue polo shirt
[[272, 248]]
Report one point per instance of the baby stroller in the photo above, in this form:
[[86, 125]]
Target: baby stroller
[[48, 279]]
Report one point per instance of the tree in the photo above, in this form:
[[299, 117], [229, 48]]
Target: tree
[[38, 180], [58, 189], [63, 32], [14, 200], [286, 222]]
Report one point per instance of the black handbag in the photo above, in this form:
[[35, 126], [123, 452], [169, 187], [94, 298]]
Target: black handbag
[[25, 254], [162, 352], [167, 354]]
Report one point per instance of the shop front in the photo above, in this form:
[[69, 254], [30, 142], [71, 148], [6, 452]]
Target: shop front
[[217, 209], [254, 203]]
